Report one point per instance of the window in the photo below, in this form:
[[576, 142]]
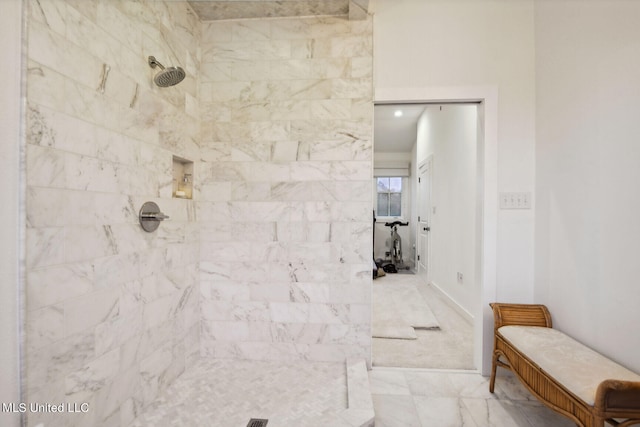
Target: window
[[389, 196]]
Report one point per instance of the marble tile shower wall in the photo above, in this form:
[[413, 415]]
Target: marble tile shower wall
[[112, 312], [286, 171]]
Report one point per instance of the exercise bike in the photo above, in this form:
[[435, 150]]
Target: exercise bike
[[395, 248]]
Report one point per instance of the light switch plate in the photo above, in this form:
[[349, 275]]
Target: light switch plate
[[515, 200]]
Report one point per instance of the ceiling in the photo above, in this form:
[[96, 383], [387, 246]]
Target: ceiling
[[213, 10], [396, 134]]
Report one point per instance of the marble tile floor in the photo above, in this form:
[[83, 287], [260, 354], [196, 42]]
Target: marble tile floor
[[449, 398], [228, 393]]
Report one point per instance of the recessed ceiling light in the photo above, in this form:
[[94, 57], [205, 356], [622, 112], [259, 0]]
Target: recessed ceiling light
[[398, 113]]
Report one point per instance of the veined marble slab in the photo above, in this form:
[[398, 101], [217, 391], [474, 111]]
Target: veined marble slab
[[241, 9], [230, 392]]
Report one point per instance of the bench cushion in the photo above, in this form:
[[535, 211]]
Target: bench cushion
[[577, 367]]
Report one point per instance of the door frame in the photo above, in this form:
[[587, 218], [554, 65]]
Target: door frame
[[12, 211], [486, 196], [426, 162]]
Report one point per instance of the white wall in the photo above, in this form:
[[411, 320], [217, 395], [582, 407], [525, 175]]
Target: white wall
[[10, 103], [484, 47], [475, 44], [587, 174], [449, 135]]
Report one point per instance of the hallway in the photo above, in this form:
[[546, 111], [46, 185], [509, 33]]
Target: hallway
[[450, 347]]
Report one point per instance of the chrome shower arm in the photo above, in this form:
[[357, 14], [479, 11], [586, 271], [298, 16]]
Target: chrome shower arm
[[166, 76], [153, 62]]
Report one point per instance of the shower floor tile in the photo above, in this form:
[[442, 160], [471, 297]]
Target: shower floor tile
[[228, 393]]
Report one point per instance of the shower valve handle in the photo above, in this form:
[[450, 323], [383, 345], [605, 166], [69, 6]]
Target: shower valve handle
[[150, 216], [154, 216]]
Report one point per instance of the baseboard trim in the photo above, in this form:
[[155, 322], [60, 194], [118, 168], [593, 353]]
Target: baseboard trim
[[453, 304]]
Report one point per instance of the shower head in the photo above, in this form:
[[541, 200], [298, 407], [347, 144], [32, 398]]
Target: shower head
[[168, 76]]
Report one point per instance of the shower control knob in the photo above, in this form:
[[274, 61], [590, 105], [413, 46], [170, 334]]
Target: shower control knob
[[150, 217], [154, 216]]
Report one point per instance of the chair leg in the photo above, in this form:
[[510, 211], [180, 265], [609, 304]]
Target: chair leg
[[494, 367]]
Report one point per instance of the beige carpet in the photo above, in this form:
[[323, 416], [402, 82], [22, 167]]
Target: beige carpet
[[399, 309], [450, 347]]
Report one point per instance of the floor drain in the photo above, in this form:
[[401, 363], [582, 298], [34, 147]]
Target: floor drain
[[257, 422]]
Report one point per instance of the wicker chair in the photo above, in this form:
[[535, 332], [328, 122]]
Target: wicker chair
[[617, 402]]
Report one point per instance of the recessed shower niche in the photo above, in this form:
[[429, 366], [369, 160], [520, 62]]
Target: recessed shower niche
[[182, 178]]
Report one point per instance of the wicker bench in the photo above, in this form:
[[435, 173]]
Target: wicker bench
[[565, 375]]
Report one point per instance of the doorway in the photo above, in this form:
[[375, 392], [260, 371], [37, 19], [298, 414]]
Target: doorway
[[448, 132], [484, 274]]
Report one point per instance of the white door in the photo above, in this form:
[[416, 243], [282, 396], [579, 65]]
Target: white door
[[424, 219]]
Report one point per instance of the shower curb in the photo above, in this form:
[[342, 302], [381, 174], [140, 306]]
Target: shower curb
[[359, 412]]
